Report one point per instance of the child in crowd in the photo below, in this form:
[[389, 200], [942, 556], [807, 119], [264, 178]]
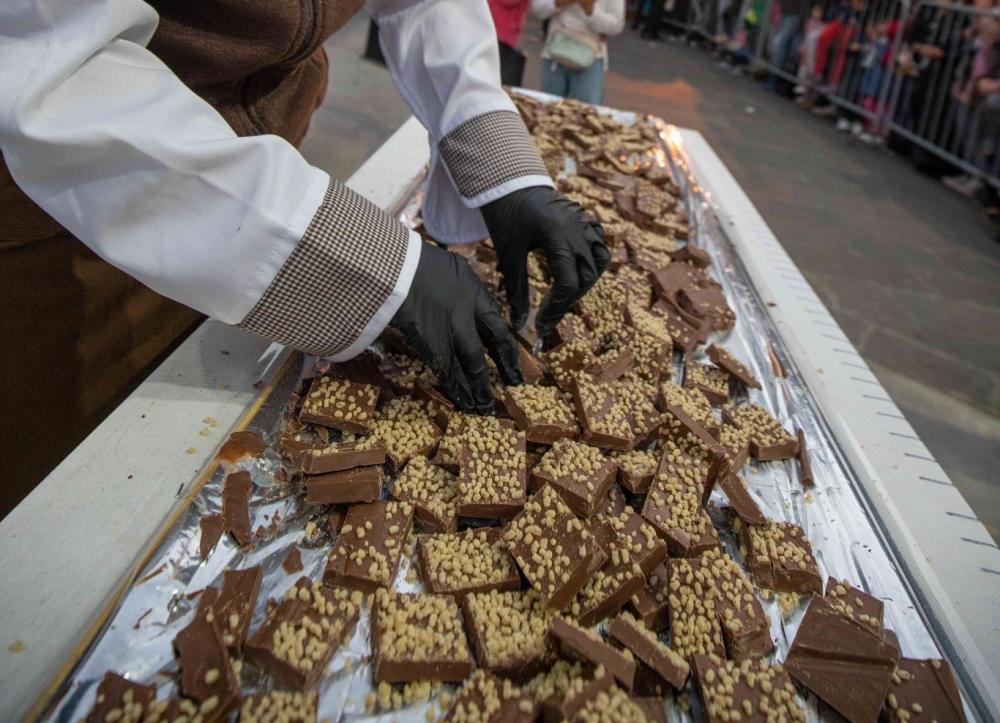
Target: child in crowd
[[874, 57], [807, 51]]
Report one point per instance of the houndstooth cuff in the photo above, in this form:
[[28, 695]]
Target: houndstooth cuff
[[488, 152], [342, 283]]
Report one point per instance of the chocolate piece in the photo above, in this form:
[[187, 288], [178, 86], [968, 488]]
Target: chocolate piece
[[805, 466], [462, 429], [649, 322], [746, 630], [458, 563], [673, 507], [692, 409], [708, 303], [293, 561], [610, 365], [692, 255], [279, 705], [172, 710], [492, 474], [544, 414], [924, 690], [406, 429], [636, 470], [206, 672], [614, 502], [403, 371], [603, 414], [346, 454], [627, 535], [508, 631], [724, 360], [780, 557], [686, 335], [695, 627], [531, 366], [366, 555], [589, 646], [242, 445], [236, 506], [302, 632], [580, 473], [740, 500], [611, 706], [670, 666], [130, 699], [710, 381], [845, 664], [757, 692], [233, 605], [433, 492], [340, 404], [652, 707], [418, 637], [336, 519], [650, 604], [211, 533], [570, 328], [652, 355], [552, 548], [568, 359], [768, 439], [439, 407], [565, 688], [362, 484], [859, 606], [608, 588], [488, 699]]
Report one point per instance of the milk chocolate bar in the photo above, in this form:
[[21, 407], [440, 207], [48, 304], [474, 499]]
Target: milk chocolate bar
[[924, 690], [116, 693], [433, 492], [692, 409], [211, 533], [670, 666], [611, 705], [741, 502], [608, 588], [293, 561], [610, 365], [737, 369], [347, 453], [418, 637], [552, 548], [302, 633], [768, 439], [567, 360], [846, 665], [603, 414], [631, 537], [508, 631], [686, 335], [490, 699], [695, 628], [652, 355], [861, 607], [439, 407], [566, 688], [206, 671], [580, 473], [710, 381], [781, 558], [361, 484], [236, 506], [233, 604], [492, 475], [674, 508], [279, 705], [403, 371], [544, 414], [366, 555], [636, 470], [650, 605], [406, 429], [805, 465], [589, 646], [340, 404], [746, 630], [458, 563], [757, 692], [708, 303]]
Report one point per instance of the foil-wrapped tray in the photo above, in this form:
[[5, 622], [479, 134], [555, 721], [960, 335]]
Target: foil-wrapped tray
[[136, 640]]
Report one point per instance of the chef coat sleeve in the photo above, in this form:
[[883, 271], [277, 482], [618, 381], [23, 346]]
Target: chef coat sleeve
[[444, 59], [108, 141]]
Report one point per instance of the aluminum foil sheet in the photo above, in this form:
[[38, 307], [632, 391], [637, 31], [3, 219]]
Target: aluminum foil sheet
[[137, 640]]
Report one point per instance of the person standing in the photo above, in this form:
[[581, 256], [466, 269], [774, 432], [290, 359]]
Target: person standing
[[575, 56], [508, 17], [785, 45]]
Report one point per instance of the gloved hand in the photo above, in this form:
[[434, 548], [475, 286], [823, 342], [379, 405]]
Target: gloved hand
[[573, 245], [447, 318]]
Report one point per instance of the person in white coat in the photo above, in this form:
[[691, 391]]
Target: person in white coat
[[575, 56]]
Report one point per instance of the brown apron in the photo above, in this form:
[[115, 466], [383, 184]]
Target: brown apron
[[77, 334]]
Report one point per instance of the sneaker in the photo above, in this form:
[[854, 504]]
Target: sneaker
[[965, 185], [843, 125]]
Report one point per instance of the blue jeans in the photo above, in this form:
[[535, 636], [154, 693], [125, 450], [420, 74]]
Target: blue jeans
[[784, 45], [586, 84]]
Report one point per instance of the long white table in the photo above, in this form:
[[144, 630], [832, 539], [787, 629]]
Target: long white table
[[71, 545]]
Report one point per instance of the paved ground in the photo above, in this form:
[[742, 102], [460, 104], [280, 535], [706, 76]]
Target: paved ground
[[909, 269]]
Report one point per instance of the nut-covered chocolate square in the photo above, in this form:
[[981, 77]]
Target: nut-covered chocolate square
[[418, 637], [433, 492], [508, 631], [366, 554], [664, 661], [924, 690], [710, 381], [278, 705], [579, 472], [673, 507], [752, 691], [768, 439], [406, 429], [489, 699], [458, 563], [340, 404], [636, 469], [781, 558], [544, 414], [492, 476]]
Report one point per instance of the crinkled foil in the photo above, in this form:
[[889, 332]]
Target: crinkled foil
[[137, 640]]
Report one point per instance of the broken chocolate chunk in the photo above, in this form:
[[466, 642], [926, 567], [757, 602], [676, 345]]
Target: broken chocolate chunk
[[236, 506]]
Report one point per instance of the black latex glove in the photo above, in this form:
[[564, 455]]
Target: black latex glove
[[573, 245], [447, 318]]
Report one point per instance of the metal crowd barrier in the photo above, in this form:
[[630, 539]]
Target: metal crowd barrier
[[906, 71]]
